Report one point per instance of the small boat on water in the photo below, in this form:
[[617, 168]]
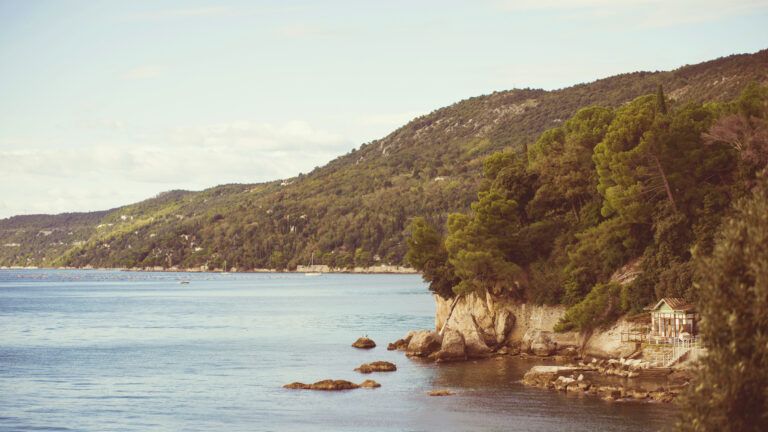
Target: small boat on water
[[313, 274], [184, 282]]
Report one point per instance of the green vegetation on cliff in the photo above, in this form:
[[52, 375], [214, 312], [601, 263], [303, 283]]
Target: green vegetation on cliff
[[648, 182]]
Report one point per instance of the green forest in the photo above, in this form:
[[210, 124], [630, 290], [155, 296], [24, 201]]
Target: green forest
[[647, 184], [354, 211]]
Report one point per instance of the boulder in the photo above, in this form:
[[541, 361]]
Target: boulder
[[539, 343], [423, 343], [400, 344], [377, 366], [364, 343], [452, 347], [475, 343]]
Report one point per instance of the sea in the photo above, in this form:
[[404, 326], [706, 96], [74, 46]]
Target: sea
[[93, 350]]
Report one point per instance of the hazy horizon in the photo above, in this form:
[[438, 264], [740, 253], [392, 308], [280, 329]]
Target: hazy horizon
[[111, 103]]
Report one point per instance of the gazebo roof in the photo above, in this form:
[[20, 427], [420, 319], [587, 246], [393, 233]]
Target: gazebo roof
[[675, 303]]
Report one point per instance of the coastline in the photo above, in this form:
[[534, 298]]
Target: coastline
[[382, 269]]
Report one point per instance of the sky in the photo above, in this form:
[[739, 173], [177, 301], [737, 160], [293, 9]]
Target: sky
[[106, 103]]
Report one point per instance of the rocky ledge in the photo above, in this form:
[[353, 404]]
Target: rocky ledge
[[332, 385], [608, 380]]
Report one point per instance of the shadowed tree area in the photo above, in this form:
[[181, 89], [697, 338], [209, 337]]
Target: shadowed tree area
[[731, 392]]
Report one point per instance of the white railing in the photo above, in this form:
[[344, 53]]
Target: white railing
[[671, 350], [681, 347]]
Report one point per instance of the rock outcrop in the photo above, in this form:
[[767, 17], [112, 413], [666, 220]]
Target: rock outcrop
[[377, 366], [364, 343], [452, 347], [491, 324], [539, 342], [401, 344], [424, 343]]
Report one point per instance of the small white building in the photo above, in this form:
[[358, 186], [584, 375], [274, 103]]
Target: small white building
[[673, 318]]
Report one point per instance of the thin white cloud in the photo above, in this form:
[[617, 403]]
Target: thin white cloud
[[105, 175], [143, 72]]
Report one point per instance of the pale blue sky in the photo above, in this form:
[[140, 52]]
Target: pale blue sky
[[104, 103]]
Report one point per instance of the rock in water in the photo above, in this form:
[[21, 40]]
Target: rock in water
[[400, 344], [440, 393], [423, 343], [297, 386], [364, 343], [377, 366], [369, 384], [326, 385], [452, 347]]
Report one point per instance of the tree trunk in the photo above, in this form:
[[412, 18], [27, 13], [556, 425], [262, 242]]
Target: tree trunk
[[450, 312], [666, 182]]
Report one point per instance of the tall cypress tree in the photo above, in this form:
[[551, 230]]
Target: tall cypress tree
[[661, 102]]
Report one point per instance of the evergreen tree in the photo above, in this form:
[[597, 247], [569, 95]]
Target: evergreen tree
[[427, 253]]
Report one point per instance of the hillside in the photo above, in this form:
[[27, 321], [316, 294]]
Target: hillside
[[354, 209]]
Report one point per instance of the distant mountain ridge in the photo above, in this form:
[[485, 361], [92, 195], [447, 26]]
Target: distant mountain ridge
[[353, 210]]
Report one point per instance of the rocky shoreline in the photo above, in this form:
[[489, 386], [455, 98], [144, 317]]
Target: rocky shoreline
[[610, 379], [600, 363], [638, 383]]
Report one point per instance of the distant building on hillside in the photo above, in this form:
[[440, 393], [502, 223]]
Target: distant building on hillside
[[672, 319]]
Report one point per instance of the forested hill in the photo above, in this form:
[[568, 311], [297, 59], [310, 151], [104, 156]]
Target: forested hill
[[352, 211]]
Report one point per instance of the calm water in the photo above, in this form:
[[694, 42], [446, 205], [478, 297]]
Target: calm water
[[104, 351]]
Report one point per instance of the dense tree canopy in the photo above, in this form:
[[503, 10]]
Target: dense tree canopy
[[645, 185]]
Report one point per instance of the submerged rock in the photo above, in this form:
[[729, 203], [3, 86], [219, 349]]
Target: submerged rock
[[423, 343], [364, 343], [377, 366], [443, 392], [369, 384]]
